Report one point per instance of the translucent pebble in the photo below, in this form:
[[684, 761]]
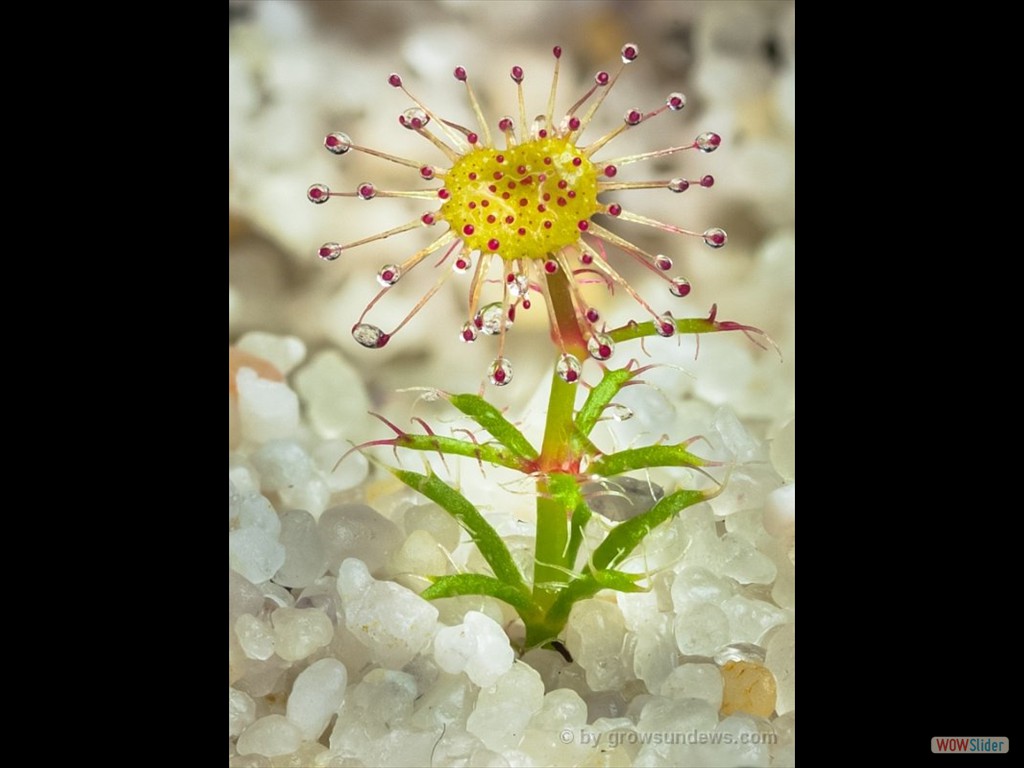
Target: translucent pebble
[[304, 560], [241, 711], [655, 653], [335, 399], [562, 708], [243, 476], [600, 346], [421, 556], [298, 632], [744, 741], [316, 695], [694, 681], [780, 659], [337, 142], [343, 475], [282, 463], [500, 372], [255, 637], [700, 629], [284, 352], [256, 511], [435, 521], [695, 585], [254, 554], [249, 761], [662, 715], [715, 237], [243, 596], [748, 687], [392, 621], [266, 409], [780, 512], [356, 530], [313, 495], [742, 562], [594, 637], [750, 619], [503, 710], [304, 757], [736, 439], [783, 451], [370, 336], [478, 646], [270, 736]]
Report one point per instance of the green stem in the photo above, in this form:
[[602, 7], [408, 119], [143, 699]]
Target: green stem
[[556, 455]]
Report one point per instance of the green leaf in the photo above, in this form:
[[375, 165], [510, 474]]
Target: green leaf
[[487, 540], [491, 454], [599, 398], [490, 418], [651, 456], [478, 584], [588, 586], [625, 537]]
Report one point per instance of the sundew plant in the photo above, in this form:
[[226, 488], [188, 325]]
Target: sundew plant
[[533, 194]]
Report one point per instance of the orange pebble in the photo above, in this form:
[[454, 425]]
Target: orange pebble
[[238, 358], [748, 687]]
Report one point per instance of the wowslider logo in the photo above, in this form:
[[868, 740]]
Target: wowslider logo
[[971, 744]]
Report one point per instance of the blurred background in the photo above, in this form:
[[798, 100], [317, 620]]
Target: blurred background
[[299, 69]]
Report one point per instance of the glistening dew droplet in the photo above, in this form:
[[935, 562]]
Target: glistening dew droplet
[[500, 372], [665, 325], [329, 251], [337, 143], [489, 319], [600, 346], [568, 368], [370, 336], [680, 287], [715, 237], [708, 142]]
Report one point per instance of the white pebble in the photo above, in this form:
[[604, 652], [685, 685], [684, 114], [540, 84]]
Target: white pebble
[[298, 632], [503, 711], [655, 653], [742, 562], [695, 681], [780, 512], [312, 495], [255, 511], [266, 409], [421, 556], [701, 629], [595, 634], [341, 476], [392, 621], [281, 464], [783, 451], [241, 711], [283, 352], [254, 554], [304, 560], [317, 693], [356, 530], [749, 619], [562, 708], [478, 646], [255, 637], [780, 659], [694, 585], [435, 521], [334, 395], [271, 736]]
